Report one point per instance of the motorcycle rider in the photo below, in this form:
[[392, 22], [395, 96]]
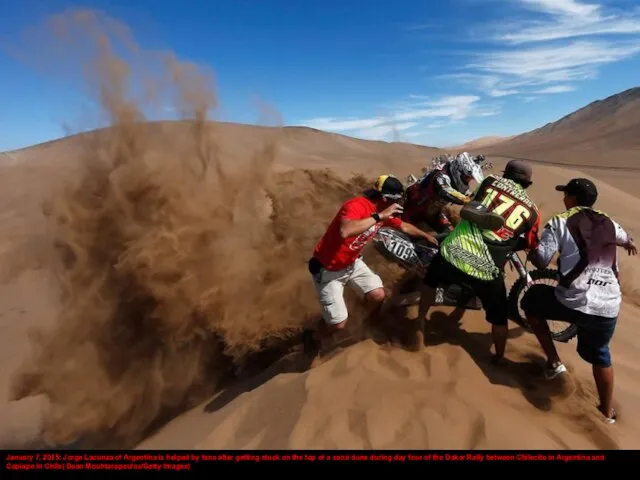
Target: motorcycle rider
[[448, 183], [337, 257], [476, 256]]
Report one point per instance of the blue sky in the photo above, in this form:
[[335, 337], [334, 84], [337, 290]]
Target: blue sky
[[427, 72]]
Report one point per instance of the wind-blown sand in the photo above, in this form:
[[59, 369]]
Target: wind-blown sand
[[178, 253]]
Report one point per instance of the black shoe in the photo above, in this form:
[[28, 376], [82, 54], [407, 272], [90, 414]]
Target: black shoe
[[309, 343]]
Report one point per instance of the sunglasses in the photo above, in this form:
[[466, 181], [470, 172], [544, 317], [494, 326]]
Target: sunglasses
[[395, 197]]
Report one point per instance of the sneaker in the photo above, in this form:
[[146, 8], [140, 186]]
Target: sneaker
[[612, 419], [554, 371]]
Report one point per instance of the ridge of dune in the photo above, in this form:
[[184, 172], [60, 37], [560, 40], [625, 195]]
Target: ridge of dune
[[481, 142], [601, 133]]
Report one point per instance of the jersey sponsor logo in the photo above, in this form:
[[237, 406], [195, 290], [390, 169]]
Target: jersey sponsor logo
[[474, 261], [507, 188]]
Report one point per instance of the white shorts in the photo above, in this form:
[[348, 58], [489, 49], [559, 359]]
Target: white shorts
[[330, 288]]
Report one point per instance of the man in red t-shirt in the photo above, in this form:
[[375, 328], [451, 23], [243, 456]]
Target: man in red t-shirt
[[337, 258]]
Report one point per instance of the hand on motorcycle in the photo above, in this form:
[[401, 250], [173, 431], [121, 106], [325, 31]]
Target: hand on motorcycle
[[631, 248], [395, 209], [431, 239]]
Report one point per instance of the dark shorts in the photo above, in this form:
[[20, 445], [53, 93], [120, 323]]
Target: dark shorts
[[492, 294], [594, 333]]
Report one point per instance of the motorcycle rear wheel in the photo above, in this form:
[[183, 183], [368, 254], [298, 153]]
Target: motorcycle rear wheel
[[519, 288]]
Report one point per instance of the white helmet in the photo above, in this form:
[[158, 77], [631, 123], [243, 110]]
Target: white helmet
[[463, 166]]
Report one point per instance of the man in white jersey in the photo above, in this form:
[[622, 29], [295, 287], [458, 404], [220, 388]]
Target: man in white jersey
[[588, 293]]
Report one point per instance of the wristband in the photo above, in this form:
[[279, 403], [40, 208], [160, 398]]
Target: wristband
[[376, 216]]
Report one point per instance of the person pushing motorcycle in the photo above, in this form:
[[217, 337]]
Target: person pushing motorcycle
[[426, 199], [337, 257], [476, 251]]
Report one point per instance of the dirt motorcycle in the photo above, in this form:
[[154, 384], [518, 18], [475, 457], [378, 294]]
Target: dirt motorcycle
[[415, 257]]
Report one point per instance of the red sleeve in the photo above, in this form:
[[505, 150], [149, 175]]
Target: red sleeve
[[353, 210], [394, 222], [532, 235]]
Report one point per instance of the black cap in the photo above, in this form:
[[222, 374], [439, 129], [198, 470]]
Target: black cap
[[388, 186], [518, 170], [392, 186], [583, 189]]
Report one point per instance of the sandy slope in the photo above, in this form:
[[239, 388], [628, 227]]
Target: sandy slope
[[29, 293], [447, 396], [478, 143], [369, 395]]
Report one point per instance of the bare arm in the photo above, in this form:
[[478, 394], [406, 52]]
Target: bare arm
[[623, 239], [350, 227], [414, 231]]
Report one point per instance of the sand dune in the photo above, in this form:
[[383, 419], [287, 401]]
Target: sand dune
[[156, 259], [370, 395], [478, 143], [373, 395]]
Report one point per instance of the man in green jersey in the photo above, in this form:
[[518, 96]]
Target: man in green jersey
[[477, 257]]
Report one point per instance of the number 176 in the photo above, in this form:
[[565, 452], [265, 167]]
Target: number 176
[[519, 214]]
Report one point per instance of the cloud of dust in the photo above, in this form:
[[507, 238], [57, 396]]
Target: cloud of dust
[[176, 257]]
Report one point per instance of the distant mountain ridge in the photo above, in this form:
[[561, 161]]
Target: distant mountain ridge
[[604, 132]]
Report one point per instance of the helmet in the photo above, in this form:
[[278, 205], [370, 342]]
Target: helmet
[[463, 166], [480, 158], [389, 187]]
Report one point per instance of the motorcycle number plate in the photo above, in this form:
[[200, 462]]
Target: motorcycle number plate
[[400, 249]]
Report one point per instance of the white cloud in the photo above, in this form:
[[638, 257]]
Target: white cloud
[[496, 92], [569, 19], [556, 89], [381, 131], [538, 61], [343, 124], [545, 49], [446, 110], [508, 71], [562, 7]]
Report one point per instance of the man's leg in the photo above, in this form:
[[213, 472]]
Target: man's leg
[[369, 284], [594, 335], [538, 300], [427, 299], [603, 377], [330, 289], [540, 328], [499, 334], [493, 295], [438, 272]]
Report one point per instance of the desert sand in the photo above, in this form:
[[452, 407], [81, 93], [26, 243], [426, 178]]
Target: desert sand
[[155, 260], [479, 143]]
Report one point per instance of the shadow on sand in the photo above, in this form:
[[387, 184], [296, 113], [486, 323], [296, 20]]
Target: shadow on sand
[[527, 376], [286, 356], [396, 329]]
